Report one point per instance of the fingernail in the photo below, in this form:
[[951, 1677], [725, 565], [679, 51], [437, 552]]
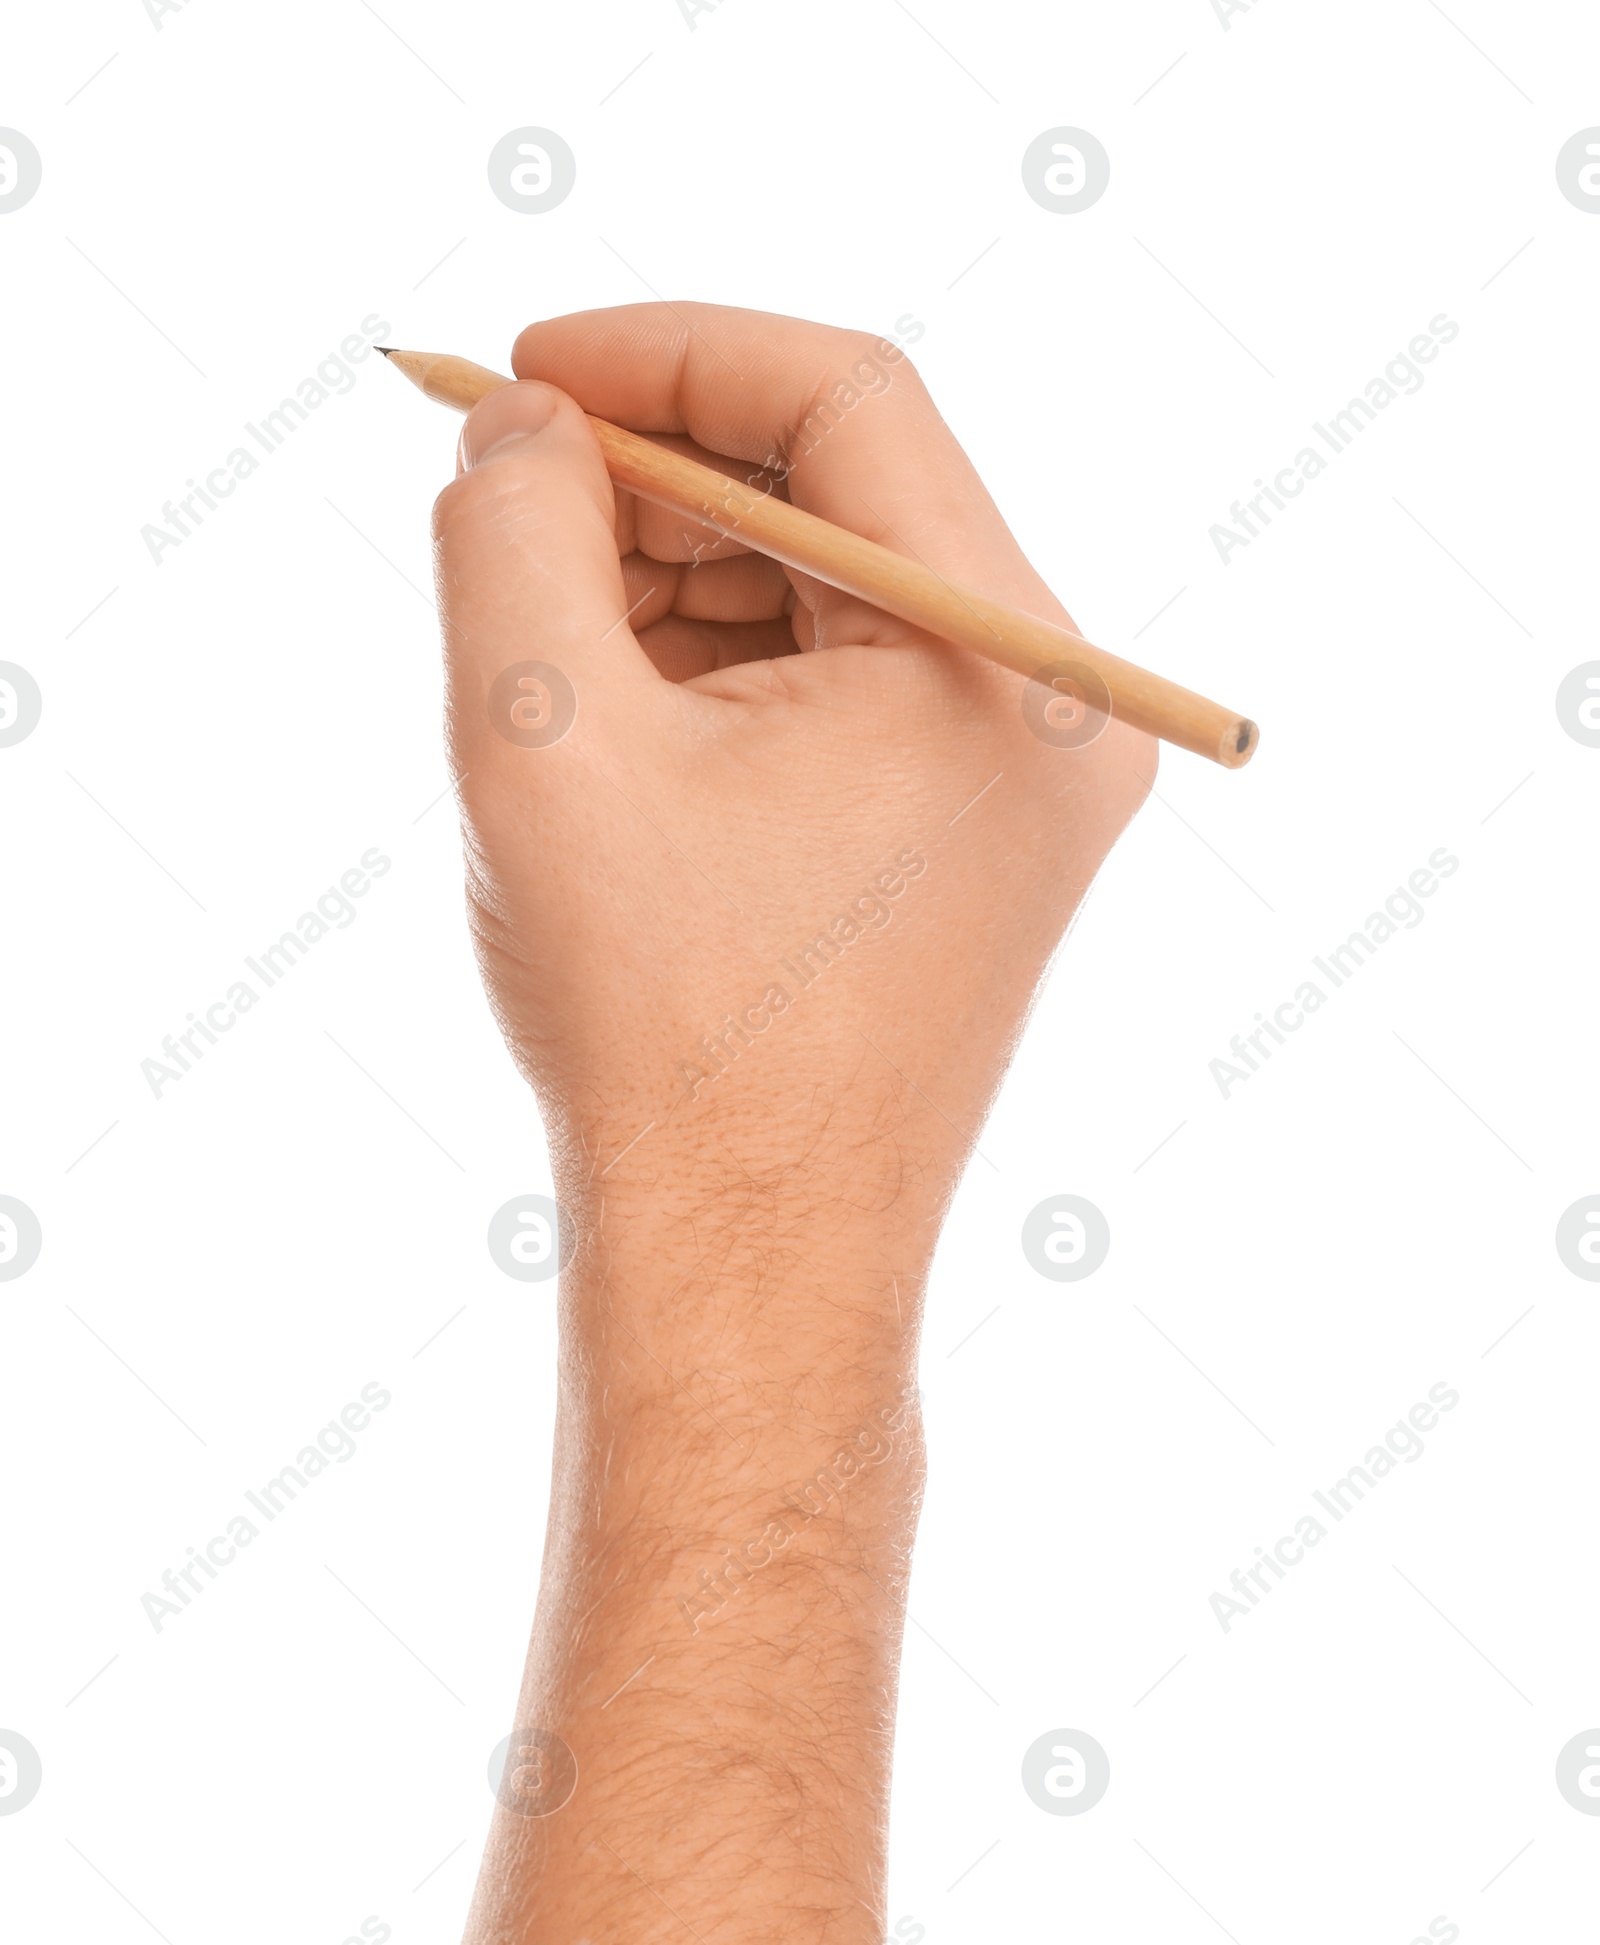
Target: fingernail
[[515, 412]]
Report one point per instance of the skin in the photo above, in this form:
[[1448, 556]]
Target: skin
[[738, 1459]]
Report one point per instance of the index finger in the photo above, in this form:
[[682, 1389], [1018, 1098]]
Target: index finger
[[842, 413]]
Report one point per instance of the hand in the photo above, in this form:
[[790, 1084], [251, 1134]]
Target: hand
[[753, 755], [761, 927]]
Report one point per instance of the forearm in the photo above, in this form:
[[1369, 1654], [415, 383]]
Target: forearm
[[738, 1467]]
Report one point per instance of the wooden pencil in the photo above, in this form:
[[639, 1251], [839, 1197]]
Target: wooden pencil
[[769, 525]]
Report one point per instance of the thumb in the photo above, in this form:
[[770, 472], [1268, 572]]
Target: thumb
[[530, 587]]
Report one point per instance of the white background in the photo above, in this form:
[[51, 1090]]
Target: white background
[[305, 1213]]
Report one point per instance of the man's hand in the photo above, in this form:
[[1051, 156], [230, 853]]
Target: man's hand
[[762, 882]]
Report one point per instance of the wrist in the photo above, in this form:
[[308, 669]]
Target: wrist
[[816, 1149], [753, 1329], [728, 1367]]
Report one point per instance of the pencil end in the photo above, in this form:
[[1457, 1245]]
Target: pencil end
[[386, 349], [1239, 744]]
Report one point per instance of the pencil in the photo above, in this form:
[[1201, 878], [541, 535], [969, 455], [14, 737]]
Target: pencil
[[760, 520]]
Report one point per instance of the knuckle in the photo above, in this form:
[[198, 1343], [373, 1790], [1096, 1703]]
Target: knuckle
[[878, 361], [875, 345]]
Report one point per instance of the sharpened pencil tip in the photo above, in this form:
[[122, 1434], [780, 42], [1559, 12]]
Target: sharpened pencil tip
[[388, 350]]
